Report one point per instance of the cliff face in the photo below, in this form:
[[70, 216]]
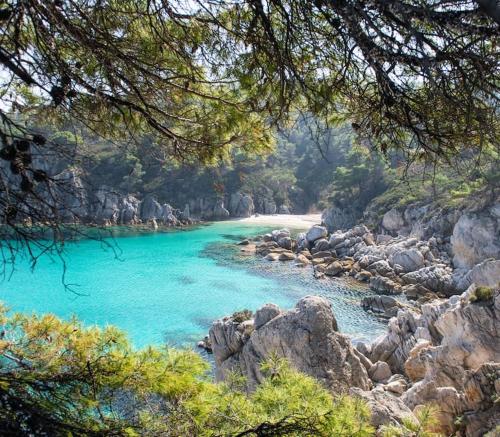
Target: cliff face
[[75, 200]]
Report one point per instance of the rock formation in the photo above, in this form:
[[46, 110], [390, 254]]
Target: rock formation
[[307, 336]]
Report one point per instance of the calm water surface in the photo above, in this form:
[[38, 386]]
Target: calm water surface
[[168, 287]]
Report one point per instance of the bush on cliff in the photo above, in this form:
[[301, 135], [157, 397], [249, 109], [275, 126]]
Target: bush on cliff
[[61, 378]]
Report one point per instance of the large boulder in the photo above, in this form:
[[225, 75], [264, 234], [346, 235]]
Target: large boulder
[[476, 237], [387, 306], [409, 259], [393, 221], [315, 233], [306, 335], [435, 278]]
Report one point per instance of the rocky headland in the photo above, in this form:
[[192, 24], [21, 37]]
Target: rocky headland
[[442, 345]]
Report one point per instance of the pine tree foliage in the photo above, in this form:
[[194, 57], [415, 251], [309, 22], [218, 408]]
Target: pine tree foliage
[[61, 378]]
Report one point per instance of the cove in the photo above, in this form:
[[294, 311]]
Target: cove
[[169, 287]]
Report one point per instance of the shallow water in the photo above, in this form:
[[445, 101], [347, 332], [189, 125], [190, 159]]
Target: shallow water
[[168, 287]]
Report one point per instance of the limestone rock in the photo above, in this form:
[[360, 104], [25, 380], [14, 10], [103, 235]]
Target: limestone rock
[[219, 211], [285, 243], [241, 205], [333, 269], [321, 244], [286, 256], [393, 220], [434, 278], [338, 218], [486, 273], [383, 285], [476, 237], [263, 315], [384, 305], [150, 209], [409, 259], [380, 372], [272, 257], [386, 409], [307, 336], [316, 232], [283, 209], [301, 259]]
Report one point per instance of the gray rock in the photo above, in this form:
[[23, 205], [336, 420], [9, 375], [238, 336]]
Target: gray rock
[[409, 259], [285, 243], [336, 238], [307, 336], [277, 234], [382, 267], [302, 243], [321, 244], [434, 278], [381, 304], [393, 220], [241, 205], [461, 371], [386, 409], [380, 372], [269, 207], [384, 285], [219, 212], [263, 315], [315, 233], [284, 209], [150, 209], [476, 237], [485, 274], [186, 214], [338, 218]]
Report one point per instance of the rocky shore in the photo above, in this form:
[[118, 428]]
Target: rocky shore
[[442, 345]]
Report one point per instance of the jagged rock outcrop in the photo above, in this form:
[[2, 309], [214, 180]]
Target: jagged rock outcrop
[[476, 237], [486, 273], [306, 335], [150, 209], [241, 205], [459, 369]]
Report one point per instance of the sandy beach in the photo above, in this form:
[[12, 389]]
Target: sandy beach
[[304, 221]]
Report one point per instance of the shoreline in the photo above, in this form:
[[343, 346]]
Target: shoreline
[[295, 221]]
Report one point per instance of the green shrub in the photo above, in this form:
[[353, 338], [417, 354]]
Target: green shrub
[[242, 316], [60, 378], [482, 294], [423, 427]]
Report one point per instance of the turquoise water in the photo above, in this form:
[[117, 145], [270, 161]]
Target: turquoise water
[[168, 287]]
